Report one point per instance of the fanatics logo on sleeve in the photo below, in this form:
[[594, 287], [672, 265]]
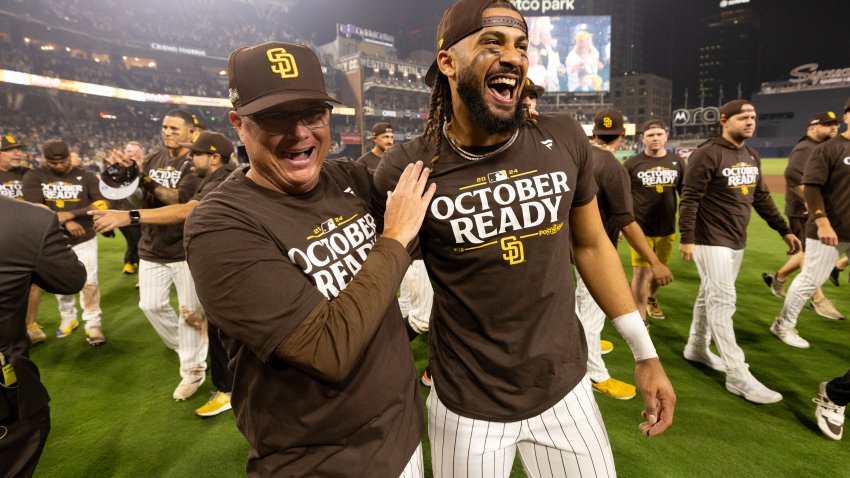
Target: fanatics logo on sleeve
[[548, 143], [283, 63]]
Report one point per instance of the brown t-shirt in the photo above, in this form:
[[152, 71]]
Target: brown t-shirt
[[655, 182], [164, 244], [794, 204], [12, 183], [371, 160], [722, 184], [829, 167], [212, 181], [262, 261], [505, 341], [71, 192], [614, 195]]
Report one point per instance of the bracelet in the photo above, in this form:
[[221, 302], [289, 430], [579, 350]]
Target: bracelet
[[632, 329]]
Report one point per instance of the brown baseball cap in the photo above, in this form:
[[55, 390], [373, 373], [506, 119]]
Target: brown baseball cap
[[531, 88], [381, 128], [732, 108], [654, 123], [211, 143], [55, 150], [462, 19], [824, 117], [8, 142], [274, 73], [608, 122]]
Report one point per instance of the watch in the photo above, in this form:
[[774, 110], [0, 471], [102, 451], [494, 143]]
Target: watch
[[134, 217]]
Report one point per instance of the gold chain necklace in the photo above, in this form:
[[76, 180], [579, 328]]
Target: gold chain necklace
[[477, 157], [604, 147]]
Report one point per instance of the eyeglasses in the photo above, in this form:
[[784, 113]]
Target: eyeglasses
[[277, 122]]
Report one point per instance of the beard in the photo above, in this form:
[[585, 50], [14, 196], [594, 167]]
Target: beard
[[471, 96]]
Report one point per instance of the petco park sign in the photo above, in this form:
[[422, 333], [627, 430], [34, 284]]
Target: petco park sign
[[531, 7], [808, 74], [697, 116]]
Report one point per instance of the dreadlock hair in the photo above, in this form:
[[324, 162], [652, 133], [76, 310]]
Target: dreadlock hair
[[441, 102]]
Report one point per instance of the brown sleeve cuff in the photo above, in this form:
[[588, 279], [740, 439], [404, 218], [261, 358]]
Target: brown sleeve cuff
[[332, 338]]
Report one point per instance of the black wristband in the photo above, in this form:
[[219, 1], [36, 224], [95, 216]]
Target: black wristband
[[148, 184], [135, 217]]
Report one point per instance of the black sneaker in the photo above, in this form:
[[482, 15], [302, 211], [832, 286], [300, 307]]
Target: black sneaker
[[833, 276]]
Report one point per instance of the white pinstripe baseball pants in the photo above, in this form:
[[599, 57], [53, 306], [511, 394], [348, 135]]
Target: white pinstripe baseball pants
[[568, 439], [592, 320], [191, 344], [416, 466], [715, 303], [818, 263], [90, 295], [416, 296]]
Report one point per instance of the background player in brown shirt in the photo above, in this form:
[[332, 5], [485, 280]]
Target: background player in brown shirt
[[382, 137], [210, 156], [722, 184], [656, 180], [513, 200], [822, 126], [71, 192], [615, 202], [289, 266], [827, 191]]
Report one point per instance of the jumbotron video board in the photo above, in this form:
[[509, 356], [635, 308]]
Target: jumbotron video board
[[570, 53]]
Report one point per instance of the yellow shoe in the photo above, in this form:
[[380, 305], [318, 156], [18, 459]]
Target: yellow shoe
[[129, 268], [615, 389], [220, 402], [606, 346], [66, 327], [37, 335]]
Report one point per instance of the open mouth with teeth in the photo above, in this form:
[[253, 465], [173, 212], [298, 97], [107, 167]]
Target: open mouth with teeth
[[503, 88], [296, 155]]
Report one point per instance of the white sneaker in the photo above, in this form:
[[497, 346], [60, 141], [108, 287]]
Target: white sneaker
[[704, 356], [187, 388], [826, 309], [789, 335], [830, 416], [742, 383]]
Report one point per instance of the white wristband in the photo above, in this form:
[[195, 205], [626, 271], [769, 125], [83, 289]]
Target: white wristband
[[632, 329]]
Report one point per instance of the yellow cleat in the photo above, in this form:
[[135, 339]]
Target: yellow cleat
[[37, 335], [66, 327], [615, 389], [220, 402], [129, 268], [605, 346]]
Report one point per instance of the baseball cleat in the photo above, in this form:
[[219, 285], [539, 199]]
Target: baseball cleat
[[653, 310], [218, 403], [829, 415], [94, 335], [789, 335], [35, 333], [704, 356], [129, 268], [66, 327], [605, 346], [744, 384], [615, 389], [186, 388]]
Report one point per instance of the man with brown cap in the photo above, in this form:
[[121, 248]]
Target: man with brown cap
[[656, 179], [530, 94], [507, 351], [324, 382], [12, 171], [722, 184], [71, 192], [826, 181], [382, 137], [210, 155], [821, 127], [615, 202]]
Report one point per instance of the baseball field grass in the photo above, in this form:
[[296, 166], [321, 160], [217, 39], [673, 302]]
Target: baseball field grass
[[112, 412]]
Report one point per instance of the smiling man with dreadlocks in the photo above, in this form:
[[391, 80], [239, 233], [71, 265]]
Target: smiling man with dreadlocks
[[507, 352]]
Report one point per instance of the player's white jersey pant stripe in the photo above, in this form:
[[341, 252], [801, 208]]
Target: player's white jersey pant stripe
[[592, 320], [715, 303], [818, 263], [416, 466], [567, 440], [416, 296], [90, 295], [155, 282]]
